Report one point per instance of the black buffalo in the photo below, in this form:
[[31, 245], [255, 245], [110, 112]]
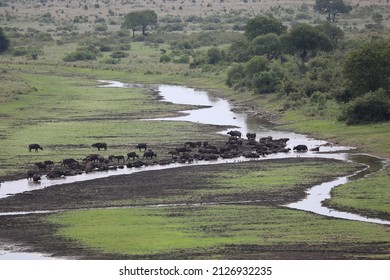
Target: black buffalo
[[149, 154], [300, 148], [118, 158], [100, 146], [35, 147], [69, 162], [234, 133], [132, 155], [251, 136], [141, 146]]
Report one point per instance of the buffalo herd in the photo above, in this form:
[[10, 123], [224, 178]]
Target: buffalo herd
[[188, 152]]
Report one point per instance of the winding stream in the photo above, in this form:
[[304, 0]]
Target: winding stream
[[219, 112]]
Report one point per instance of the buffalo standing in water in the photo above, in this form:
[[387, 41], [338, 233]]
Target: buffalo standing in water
[[300, 148], [235, 133], [35, 147], [100, 146]]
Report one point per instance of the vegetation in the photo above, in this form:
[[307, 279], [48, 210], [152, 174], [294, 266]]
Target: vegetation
[[331, 8], [208, 231], [335, 87], [139, 19], [4, 42]]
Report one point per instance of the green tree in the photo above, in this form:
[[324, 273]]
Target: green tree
[[371, 108], [305, 40], [256, 65], [236, 75], [332, 31], [265, 82], [262, 25], [148, 17], [139, 19], [367, 68], [238, 51], [331, 8], [214, 55], [268, 45], [4, 42]]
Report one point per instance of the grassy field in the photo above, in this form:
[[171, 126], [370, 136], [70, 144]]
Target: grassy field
[[58, 104], [202, 228], [366, 195], [205, 230]]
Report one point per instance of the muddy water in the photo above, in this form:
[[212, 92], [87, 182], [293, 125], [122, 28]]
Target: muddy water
[[219, 112]]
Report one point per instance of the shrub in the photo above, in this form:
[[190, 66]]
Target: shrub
[[236, 75], [265, 82], [371, 108], [165, 58], [119, 54], [80, 55]]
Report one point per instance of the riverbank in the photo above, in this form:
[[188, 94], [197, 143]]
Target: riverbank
[[126, 131], [207, 214]]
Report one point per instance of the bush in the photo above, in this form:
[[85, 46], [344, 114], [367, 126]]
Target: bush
[[236, 75], [80, 55], [119, 54], [165, 58], [371, 108], [265, 82]]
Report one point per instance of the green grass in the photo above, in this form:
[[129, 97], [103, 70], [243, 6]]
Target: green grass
[[367, 138], [277, 178], [67, 112], [370, 196], [165, 230]]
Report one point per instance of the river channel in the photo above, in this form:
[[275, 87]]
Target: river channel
[[218, 111]]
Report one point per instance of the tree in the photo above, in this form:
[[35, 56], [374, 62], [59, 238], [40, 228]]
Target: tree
[[139, 19], [367, 68], [4, 42], [262, 25], [256, 65], [268, 45], [371, 108], [331, 8], [332, 31], [149, 17], [305, 39], [214, 55]]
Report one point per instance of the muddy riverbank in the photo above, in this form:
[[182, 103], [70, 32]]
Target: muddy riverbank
[[177, 188]]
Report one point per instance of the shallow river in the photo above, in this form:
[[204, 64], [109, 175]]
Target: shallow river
[[219, 112]]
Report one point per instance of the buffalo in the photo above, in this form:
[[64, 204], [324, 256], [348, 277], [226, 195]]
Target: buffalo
[[41, 165], [141, 146], [300, 148], [69, 162], [149, 154], [132, 155], [251, 136], [92, 157], [100, 146], [234, 133], [118, 158], [35, 147]]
